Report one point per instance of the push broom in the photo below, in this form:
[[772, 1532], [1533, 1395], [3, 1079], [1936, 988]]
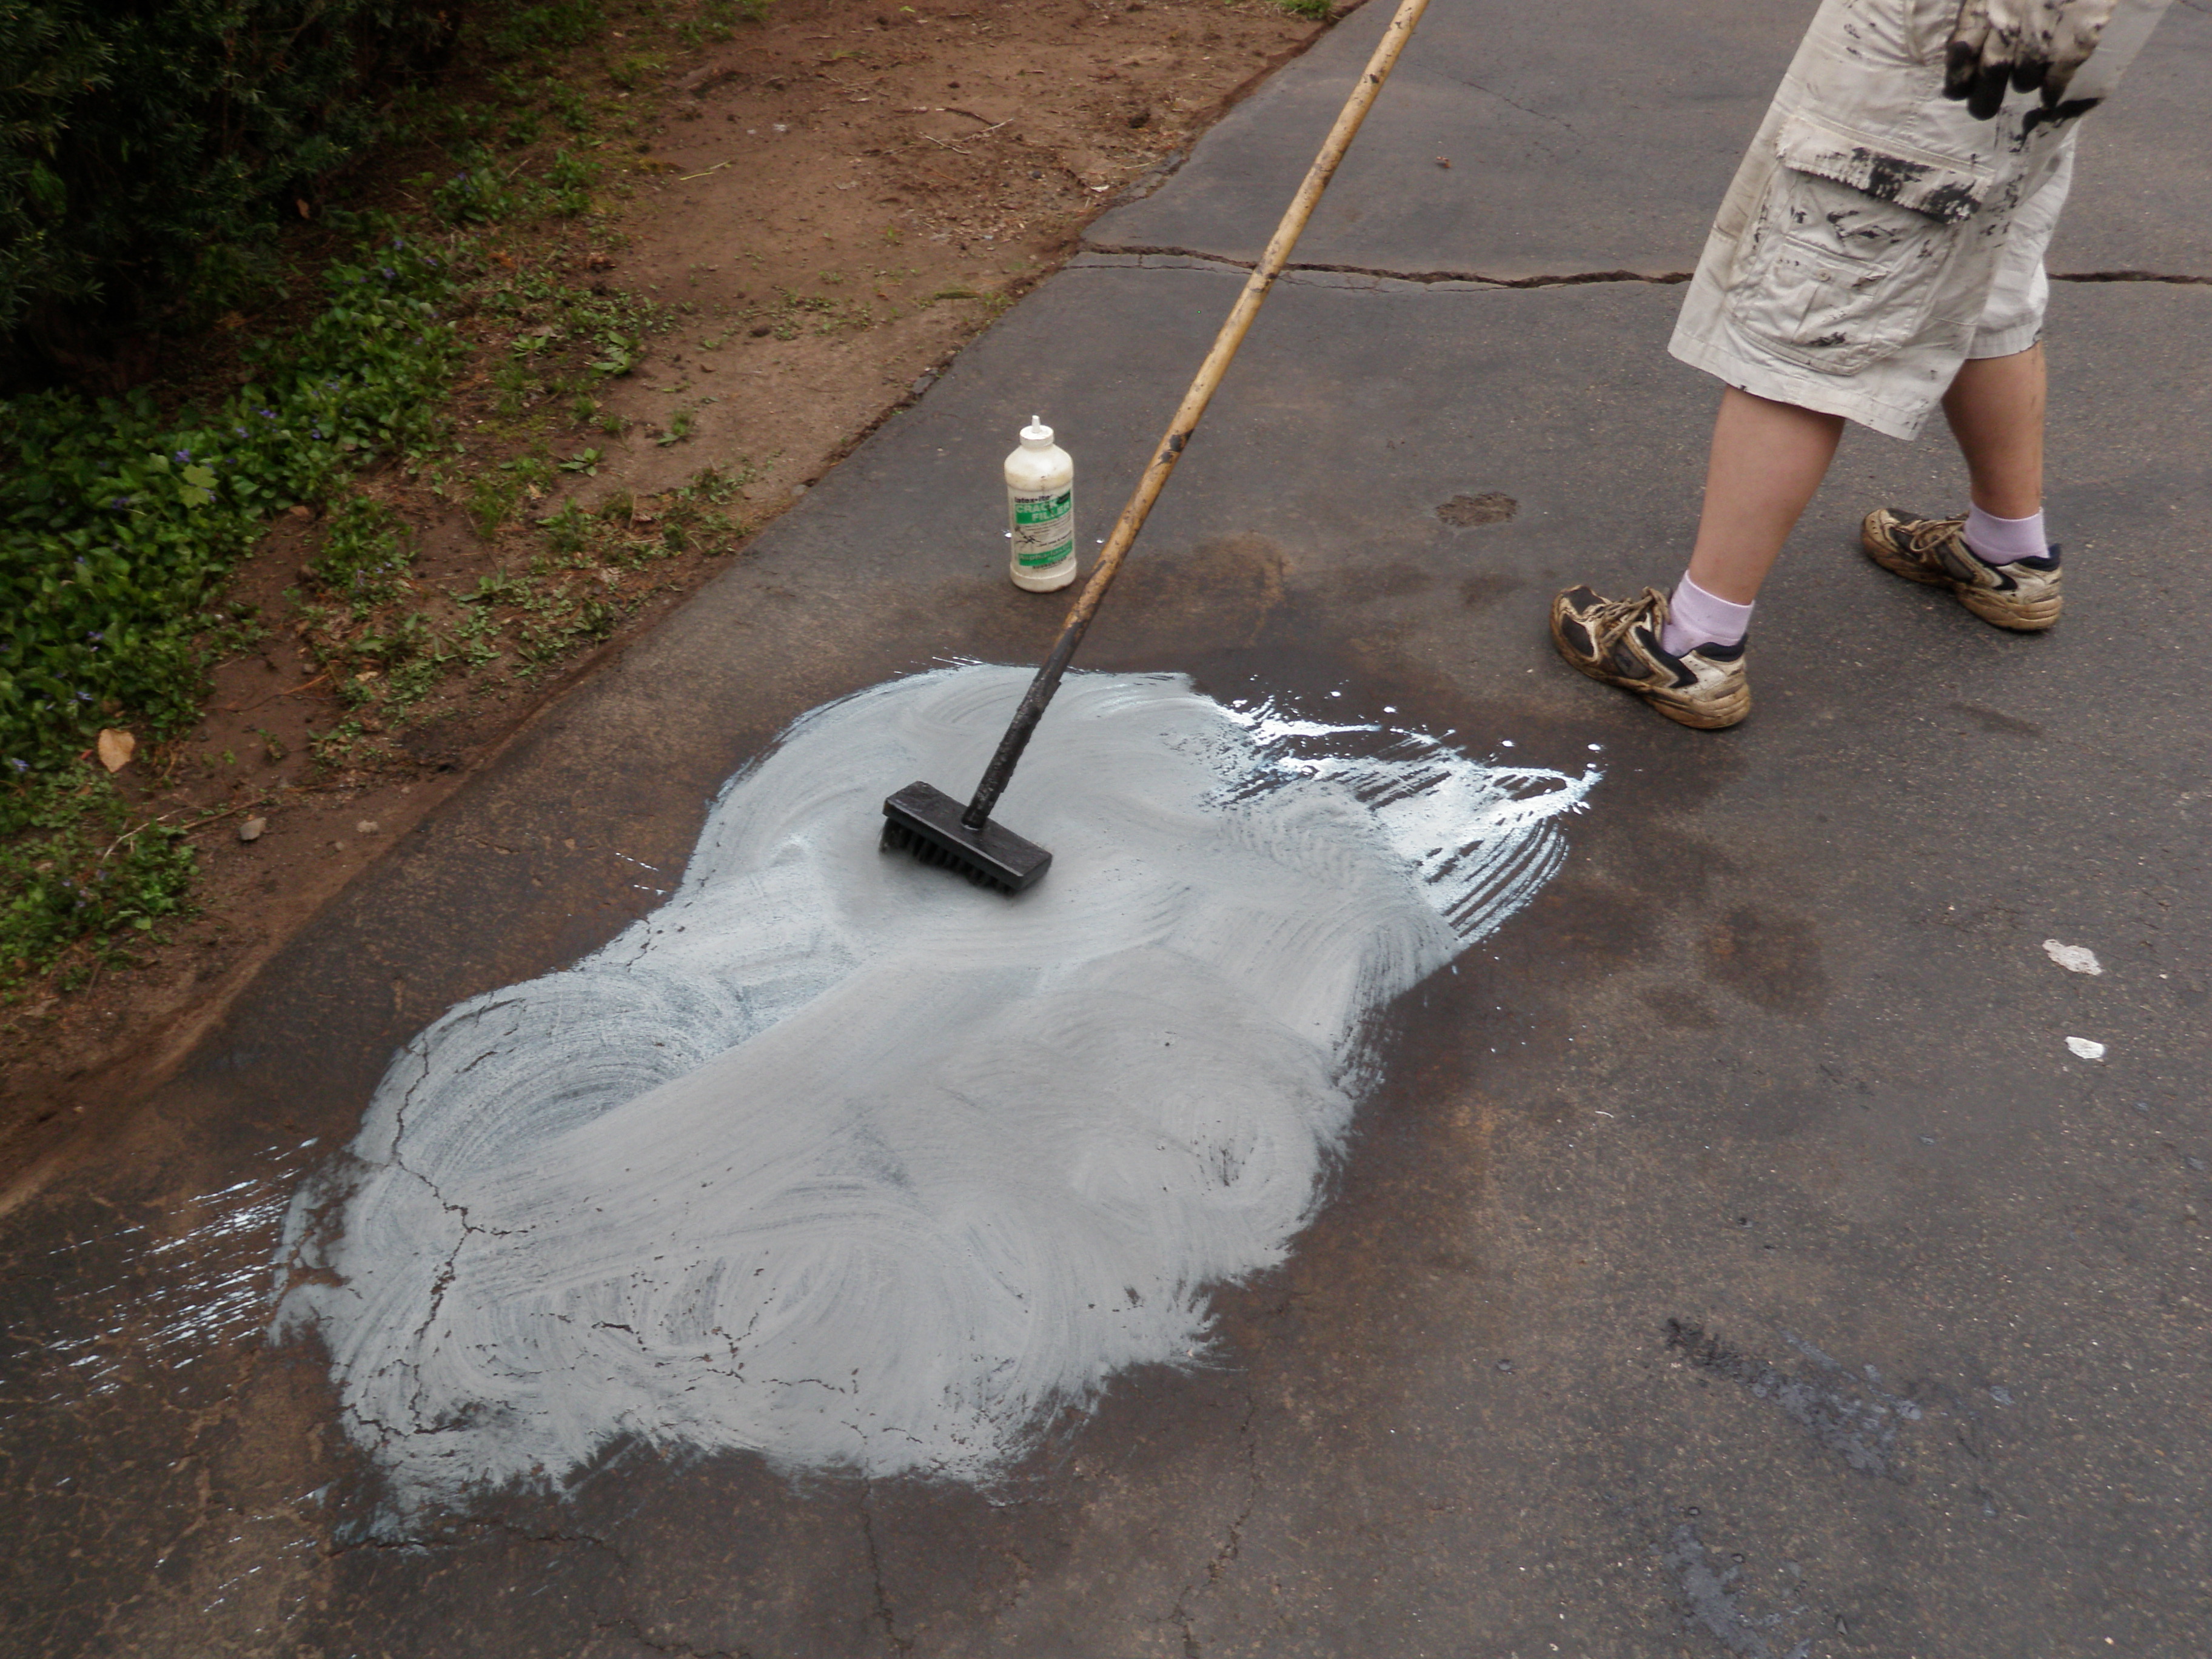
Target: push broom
[[922, 819]]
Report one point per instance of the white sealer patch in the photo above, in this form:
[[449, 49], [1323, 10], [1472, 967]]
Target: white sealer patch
[[835, 1158]]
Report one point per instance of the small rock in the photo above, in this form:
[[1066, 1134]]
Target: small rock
[[251, 828], [365, 827], [701, 79], [2086, 1048], [1504, 1365], [761, 331]]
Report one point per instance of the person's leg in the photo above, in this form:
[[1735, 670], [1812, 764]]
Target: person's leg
[[1767, 460], [1995, 561], [1996, 408], [1683, 653]]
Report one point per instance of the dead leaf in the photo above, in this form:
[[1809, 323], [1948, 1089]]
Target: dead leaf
[[115, 749]]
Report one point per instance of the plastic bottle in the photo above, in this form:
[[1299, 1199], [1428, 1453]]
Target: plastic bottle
[[1040, 511]]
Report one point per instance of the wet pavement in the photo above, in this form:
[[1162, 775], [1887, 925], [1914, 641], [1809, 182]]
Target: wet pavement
[[1736, 1259]]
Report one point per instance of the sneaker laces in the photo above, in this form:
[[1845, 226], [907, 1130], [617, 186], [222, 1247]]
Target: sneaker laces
[[1932, 533], [1607, 621]]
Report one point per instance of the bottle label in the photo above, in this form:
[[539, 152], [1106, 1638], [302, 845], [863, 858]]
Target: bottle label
[[1044, 529]]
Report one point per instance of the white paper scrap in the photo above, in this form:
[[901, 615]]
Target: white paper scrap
[[2074, 958]]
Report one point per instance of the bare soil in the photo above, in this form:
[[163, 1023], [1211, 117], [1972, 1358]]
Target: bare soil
[[826, 206]]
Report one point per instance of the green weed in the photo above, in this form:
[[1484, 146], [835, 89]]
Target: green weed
[[80, 881], [364, 556], [634, 69]]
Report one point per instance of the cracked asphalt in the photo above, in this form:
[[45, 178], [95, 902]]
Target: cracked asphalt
[[1737, 1260]]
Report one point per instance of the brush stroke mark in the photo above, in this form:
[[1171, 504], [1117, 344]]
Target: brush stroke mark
[[1852, 1417], [840, 1160], [1712, 1592]]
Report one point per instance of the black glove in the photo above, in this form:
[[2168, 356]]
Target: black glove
[[2021, 43]]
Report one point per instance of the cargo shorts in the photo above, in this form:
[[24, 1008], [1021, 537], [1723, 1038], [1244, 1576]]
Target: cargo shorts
[[1877, 235]]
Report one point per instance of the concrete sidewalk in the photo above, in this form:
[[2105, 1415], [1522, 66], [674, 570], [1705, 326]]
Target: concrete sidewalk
[[1736, 1259]]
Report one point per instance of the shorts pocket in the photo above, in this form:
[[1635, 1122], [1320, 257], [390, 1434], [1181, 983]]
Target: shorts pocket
[[1833, 278]]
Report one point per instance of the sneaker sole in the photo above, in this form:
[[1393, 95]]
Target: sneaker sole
[[1715, 714], [2016, 616]]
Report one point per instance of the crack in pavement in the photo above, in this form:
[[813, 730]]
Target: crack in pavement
[[2130, 276], [1107, 257], [635, 1632], [1096, 255], [1533, 114], [1217, 1565], [884, 1609]]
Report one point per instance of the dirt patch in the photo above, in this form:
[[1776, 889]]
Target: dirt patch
[[816, 212]]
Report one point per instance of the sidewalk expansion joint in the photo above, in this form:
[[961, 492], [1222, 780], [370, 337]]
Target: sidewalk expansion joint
[[2129, 277], [1141, 257], [1137, 256]]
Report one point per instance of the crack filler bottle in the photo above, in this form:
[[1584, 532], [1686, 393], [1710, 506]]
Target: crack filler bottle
[[1040, 511]]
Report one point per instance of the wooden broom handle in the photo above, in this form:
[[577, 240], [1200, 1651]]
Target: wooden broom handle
[[1202, 387]]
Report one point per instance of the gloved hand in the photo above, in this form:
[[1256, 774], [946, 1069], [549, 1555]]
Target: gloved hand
[[2025, 43]]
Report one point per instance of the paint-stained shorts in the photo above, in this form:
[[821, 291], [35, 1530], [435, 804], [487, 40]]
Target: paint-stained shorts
[[1877, 235]]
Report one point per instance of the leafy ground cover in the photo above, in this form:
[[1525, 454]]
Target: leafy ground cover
[[118, 529]]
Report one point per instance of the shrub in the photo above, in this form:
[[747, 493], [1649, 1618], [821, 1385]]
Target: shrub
[[149, 147]]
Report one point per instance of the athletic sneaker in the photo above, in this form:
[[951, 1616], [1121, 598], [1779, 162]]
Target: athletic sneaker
[[1617, 641], [2023, 595]]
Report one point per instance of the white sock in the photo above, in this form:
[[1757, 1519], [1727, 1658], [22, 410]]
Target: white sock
[[1695, 617], [2001, 541]]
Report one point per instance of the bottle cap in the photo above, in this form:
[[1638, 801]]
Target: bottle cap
[[1036, 434]]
